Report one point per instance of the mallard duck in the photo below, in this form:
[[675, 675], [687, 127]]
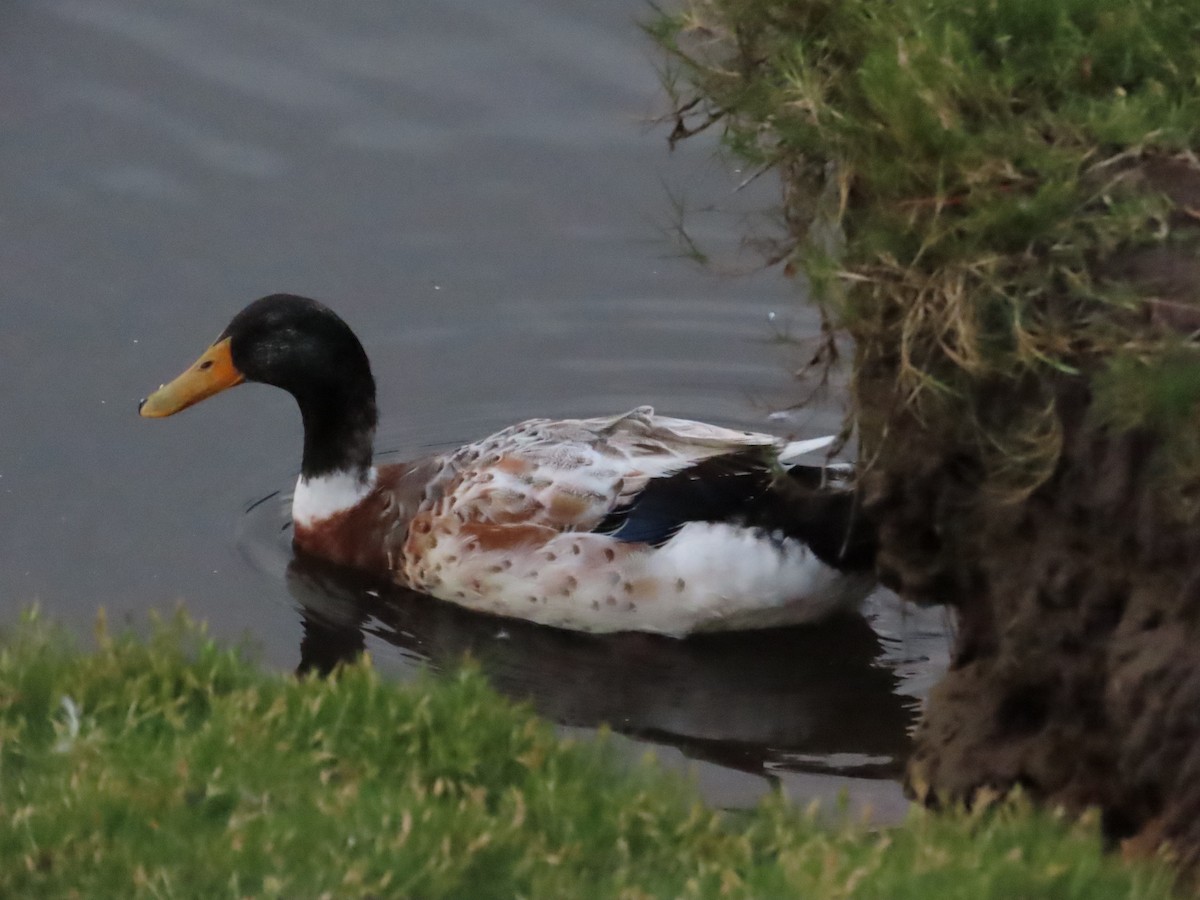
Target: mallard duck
[[636, 522]]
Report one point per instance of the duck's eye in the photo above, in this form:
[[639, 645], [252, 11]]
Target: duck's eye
[[207, 364]]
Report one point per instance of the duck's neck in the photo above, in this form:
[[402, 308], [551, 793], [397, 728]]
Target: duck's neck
[[339, 431], [339, 435]]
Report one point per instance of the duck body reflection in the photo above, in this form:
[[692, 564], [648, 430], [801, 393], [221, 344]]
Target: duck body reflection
[[805, 698]]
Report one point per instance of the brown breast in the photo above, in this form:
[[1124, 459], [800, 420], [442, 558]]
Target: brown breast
[[367, 536]]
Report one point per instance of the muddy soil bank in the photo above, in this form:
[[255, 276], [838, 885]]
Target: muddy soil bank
[[1074, 671], [1000, 211]]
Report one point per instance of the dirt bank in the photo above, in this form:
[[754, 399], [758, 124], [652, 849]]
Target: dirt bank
[[998, 203], [1074, 672]]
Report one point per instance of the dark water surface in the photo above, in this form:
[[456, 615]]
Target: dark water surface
[[476, 188]]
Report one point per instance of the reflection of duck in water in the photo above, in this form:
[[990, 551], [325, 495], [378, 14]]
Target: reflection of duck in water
[[798, 698], [632, 523]]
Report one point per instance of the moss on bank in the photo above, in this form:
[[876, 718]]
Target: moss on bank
[[173, 768]]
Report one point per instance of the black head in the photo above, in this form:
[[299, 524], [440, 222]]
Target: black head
[[296, 344], [303, 347]]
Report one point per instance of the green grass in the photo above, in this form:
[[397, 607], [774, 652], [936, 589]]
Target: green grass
[[171, 767], [982, 162]]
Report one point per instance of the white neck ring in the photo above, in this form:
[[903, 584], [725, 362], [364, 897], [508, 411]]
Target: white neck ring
[[324, 496]]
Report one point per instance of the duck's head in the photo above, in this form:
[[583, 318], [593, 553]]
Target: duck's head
[[283, 340], [296, 344]]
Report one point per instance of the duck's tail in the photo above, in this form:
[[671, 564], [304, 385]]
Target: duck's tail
[[829, 519], [796, 449], [749, 488]]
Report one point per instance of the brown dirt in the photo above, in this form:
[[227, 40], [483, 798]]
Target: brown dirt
[[1075, 672]]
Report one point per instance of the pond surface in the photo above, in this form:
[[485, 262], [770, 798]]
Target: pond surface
[[479, 190]]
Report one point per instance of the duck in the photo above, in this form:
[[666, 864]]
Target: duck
[[631, 522]]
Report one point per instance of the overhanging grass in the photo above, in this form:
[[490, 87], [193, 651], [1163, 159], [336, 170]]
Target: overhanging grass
[[984, 162], [171, 767]]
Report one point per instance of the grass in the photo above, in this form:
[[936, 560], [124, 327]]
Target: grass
[[172, 767], [958, 177]]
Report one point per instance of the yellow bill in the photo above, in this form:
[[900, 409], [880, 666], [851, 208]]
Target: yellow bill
[[212, 373]]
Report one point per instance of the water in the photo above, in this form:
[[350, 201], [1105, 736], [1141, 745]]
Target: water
[[478, 189]]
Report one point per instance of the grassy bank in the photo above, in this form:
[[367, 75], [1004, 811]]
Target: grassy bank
[[171, 767], [986, 196]]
